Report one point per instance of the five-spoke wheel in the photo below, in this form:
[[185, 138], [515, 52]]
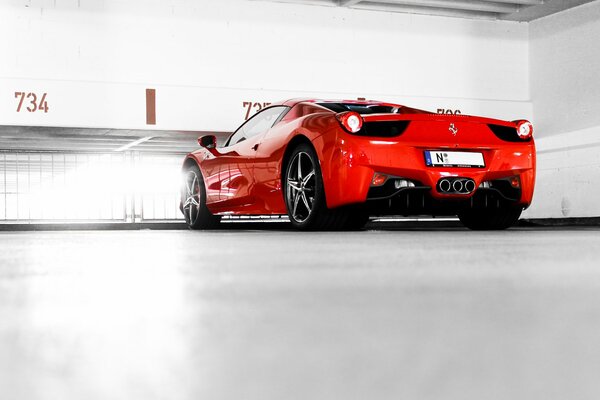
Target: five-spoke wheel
[[193, 201], [301, 186], [305, 196]]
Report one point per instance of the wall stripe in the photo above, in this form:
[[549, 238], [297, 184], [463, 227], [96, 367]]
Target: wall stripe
[[150, 106]]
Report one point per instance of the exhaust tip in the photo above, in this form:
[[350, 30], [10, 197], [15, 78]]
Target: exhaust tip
[[457, 185], [445, 185], [470, 185]]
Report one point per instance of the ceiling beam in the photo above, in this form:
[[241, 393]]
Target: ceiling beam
[[523, 2], [331, 3], [444, 12], [511, 10], [469, 5], [548, 7]]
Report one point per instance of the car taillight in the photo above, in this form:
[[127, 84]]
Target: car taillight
[[351, 121], [524, 129]]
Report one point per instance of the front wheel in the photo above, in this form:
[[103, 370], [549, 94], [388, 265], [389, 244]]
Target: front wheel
[[305, 196], [193, 201], [490, 219]]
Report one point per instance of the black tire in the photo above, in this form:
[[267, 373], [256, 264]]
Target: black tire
[[193, 201], [490, 219], [305, 196], [357, 218]]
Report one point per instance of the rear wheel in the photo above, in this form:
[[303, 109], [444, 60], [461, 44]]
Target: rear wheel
[[490, 219], [357, 217], [193, 201], [305, 196]]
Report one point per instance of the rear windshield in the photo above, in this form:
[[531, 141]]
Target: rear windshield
[[371, 108]]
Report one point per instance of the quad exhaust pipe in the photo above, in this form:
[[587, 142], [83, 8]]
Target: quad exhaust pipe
[[445, 185], [469, 185], [456, 185]]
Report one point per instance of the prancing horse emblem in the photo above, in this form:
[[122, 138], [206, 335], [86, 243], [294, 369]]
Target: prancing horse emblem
[[453, 129]]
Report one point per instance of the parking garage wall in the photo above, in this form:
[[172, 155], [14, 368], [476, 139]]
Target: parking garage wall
[[210, 60], [213, 64], [565, 90]]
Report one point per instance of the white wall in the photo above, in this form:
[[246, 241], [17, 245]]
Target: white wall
[[94, 58], [565, 91]]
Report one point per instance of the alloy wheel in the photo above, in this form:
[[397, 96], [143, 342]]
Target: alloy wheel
[[191, 204], [301, 187]]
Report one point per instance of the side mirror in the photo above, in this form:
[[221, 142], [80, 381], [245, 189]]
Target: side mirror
[[208, 141]]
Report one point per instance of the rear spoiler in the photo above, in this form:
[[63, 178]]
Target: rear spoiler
[[437, 117]]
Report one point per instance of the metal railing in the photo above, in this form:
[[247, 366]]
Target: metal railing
[[83, 187]]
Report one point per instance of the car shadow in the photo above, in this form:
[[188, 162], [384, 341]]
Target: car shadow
[[402, 225]]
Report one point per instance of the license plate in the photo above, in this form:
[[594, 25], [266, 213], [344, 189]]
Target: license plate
[[463, 159]]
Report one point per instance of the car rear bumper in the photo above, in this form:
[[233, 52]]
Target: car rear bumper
[[349, 164]]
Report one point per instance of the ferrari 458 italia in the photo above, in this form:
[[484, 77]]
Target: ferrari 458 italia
[[334, 164]]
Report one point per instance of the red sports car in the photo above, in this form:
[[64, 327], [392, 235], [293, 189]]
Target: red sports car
[[333, 164]]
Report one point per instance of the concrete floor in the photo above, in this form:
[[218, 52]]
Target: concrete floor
[[275, 314]]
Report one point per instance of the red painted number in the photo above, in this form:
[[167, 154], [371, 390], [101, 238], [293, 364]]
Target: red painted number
[[43, 104], [32, 104], [448, 111], [250, 105]]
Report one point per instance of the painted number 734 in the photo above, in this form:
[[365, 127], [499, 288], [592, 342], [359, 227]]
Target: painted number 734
[[31, 102]]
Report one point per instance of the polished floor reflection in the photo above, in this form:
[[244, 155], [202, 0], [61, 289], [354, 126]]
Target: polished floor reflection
[[433, 313]]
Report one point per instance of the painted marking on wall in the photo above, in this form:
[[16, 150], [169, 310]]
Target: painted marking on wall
[[150, 106], [448, 111], [33, 102], [256, 106]]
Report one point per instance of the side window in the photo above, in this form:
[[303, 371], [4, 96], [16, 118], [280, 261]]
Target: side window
[[259, 123]]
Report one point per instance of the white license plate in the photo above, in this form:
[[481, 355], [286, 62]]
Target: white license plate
[[466, 159]]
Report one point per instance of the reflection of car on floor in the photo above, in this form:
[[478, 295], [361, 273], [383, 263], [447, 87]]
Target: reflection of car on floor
[[332, 164]]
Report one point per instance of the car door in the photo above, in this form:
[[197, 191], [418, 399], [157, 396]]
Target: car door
[[239, 154]]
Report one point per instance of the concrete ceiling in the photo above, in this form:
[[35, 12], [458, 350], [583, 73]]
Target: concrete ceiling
[[510, 10], [38, 138]]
